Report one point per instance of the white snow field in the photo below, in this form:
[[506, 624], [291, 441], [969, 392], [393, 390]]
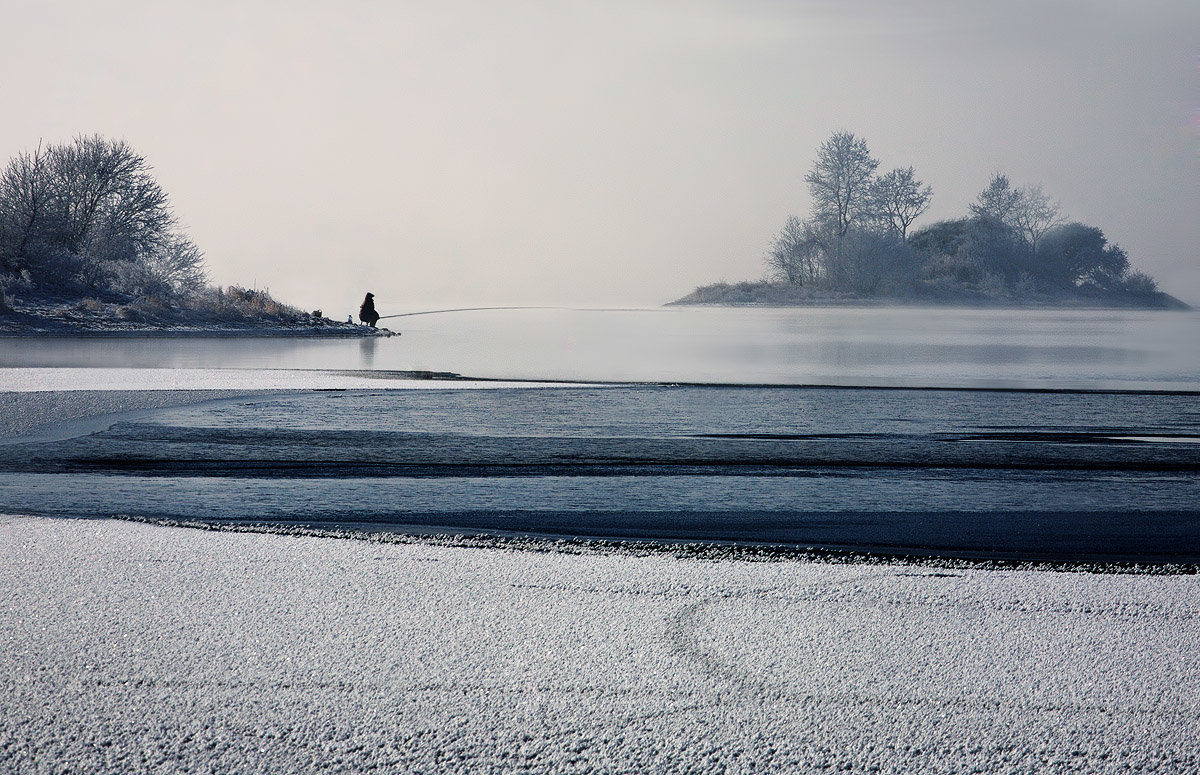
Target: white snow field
[[128, 647]]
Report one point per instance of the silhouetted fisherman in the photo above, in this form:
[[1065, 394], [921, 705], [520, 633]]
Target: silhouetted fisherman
[[367, 313]]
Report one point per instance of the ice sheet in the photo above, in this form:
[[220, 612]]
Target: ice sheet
[[68, 378], [130, 647]]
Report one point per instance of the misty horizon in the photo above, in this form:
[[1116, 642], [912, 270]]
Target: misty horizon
[[603, 154]]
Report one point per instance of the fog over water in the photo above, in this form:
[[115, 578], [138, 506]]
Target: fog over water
[[852, 346], [589, 153]]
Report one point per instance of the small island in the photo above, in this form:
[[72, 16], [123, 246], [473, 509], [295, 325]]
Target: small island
[[1014, 248], [89, 245]]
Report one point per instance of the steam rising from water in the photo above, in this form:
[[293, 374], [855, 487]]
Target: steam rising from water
[[876, 346]]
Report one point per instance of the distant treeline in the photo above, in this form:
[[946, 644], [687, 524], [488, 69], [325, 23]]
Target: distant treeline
[[1013, 247]]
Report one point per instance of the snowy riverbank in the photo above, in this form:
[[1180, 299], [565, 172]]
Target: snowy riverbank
[[214, 313], [133, 647]]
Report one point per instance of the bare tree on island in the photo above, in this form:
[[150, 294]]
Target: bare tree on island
[[859, 242], [25, 194], [998, 201], [898, 199], [854, 239], [1026, 210], [840, 182], [89, 213], [1035, 215], [794, 255]]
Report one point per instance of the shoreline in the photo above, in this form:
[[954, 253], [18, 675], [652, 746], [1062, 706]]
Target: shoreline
[[681, 549], [776, 295], [26, 416], [28, 412], [337, 331], [212, 312]]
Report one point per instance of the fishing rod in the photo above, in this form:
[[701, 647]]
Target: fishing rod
[[459, 309]]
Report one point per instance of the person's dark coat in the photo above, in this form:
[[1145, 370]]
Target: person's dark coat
[[367, 313]]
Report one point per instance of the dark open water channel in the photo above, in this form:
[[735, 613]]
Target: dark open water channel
[[1100, 476]]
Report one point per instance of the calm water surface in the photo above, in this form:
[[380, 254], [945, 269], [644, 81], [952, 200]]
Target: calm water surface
[[876, 346], [1072, 474], [1052, 475]]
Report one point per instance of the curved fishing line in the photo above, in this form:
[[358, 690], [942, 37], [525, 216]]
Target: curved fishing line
[[458, 309]]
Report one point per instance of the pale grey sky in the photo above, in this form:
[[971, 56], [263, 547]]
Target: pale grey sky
[[599, 152]]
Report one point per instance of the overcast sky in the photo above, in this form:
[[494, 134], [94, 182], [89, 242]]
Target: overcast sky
[[459, 152]]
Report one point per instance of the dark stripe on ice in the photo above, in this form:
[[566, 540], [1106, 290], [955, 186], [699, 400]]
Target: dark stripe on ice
[[162, 450], [310, 469], [1053, 536], [1113, 436], [701, 550]]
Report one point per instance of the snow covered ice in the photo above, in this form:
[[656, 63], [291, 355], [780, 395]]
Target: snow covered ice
[[129, 647]]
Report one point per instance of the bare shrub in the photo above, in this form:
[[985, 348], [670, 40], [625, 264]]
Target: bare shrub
[[152, 309], [1141, 283], [993, 286], [244, 305], [128, 313]]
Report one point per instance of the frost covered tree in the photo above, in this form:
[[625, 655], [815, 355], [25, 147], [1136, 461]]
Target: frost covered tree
[[1076, 254], [795, 254], [840, 182], [1034, 215], [1026, 210], [854, 238], [899, 198], [997, 201], [89, 213], [24, 207], [1015, 245], [106, 197]]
